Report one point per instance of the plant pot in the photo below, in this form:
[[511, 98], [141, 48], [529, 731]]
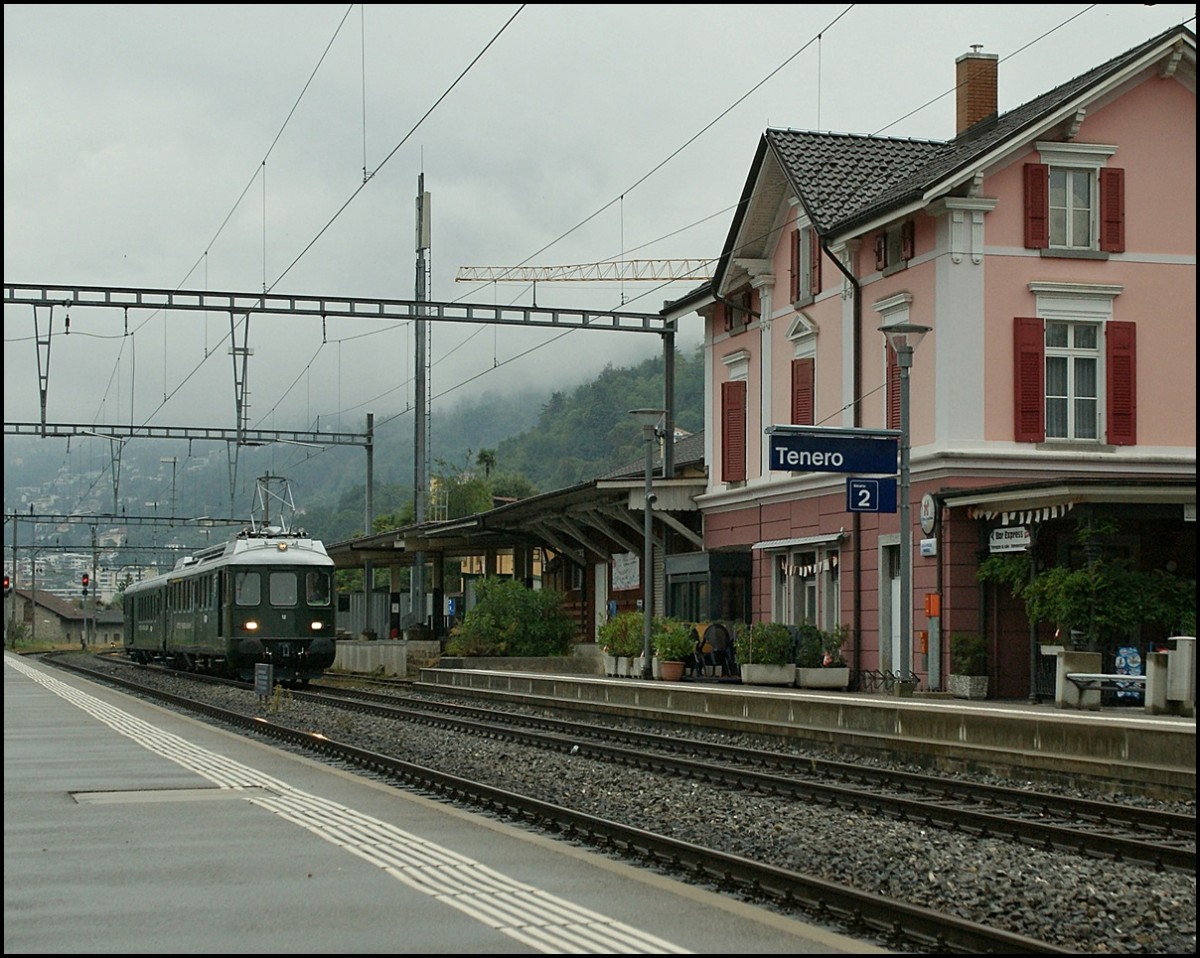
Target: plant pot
[[830, 677], [754, 673], [967, 686], [624, 666], [610, 665], [671, 671]]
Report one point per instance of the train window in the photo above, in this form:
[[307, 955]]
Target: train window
[[316, 588], [247, 589], [283, 589]]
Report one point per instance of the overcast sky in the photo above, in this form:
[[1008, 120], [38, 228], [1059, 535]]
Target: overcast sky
[[223, 147]]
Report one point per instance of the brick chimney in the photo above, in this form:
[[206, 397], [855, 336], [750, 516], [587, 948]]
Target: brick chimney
[[975, 81]]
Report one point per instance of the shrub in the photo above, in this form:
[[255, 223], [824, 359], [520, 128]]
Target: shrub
[[764, 643], [820, 648], [673, 640], [623, 634], [968, 654], [510, 619]]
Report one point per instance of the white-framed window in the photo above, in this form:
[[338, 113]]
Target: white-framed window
[[805, 265], [1073, 390], [1072, 208], [807, 587], [1075, 367], [1074, 200], [895, 246]]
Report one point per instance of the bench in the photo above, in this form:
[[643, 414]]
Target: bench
[[1098, 680]]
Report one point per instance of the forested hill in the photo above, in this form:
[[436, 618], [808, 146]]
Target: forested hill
[[512, 444], [587, 432]]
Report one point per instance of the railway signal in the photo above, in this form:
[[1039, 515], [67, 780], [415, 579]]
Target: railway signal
[[86, 579], [7, 584]]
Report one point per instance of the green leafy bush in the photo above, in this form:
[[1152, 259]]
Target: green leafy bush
[[968, 654], [820, 648], [673, 640], [764, 643], [623, 634], [509, 619]]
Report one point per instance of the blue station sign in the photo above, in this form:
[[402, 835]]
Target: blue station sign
[[812, 452]]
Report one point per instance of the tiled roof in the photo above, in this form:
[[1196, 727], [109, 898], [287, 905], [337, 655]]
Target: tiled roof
[[844, 179], [67, 610], [688, 451]]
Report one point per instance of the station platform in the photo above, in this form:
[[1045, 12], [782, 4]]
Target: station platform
[[1115, 748], [132, 829]]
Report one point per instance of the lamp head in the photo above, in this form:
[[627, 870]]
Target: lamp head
[[904, 337], [648, 417]]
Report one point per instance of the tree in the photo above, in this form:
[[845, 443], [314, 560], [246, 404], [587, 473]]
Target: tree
[[509, 619], [1104, 598], [486, 460]]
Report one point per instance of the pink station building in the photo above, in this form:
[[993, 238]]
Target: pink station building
[[1043, 263]]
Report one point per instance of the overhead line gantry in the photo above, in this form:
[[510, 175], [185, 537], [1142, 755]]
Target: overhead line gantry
[[69, 296]]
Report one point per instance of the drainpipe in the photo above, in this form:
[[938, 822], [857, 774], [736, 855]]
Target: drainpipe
[[856, 517]]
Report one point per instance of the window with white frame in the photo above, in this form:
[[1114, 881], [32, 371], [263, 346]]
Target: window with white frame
[[1072, 208], [1074, 200], [805, 265], [807, 586], [803, 335], [1075, 368], [1072, 380]]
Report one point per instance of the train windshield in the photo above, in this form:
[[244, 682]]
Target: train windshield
[[283, 589], [247, 588], [316, 588]]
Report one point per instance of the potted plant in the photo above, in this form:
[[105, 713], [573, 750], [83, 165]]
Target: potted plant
[[765, 653], [673, 643], [622, 640], [819, 662], [968, 676]]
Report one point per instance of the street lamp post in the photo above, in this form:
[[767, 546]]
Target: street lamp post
[[649, 420], [903, 338]]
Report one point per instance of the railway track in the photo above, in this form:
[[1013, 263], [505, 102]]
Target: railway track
[[896, 924], [1070, 824], [681, 851]]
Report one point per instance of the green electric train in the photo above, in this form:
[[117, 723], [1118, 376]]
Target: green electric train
[[265, 596]]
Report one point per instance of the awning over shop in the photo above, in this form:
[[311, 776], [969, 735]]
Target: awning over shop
[[1043, 501], [1021, 517]]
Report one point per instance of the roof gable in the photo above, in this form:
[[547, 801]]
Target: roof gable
[[846, 181]]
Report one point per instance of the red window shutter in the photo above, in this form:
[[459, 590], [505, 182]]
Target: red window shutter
[[795, 266], [814, 262], [1121, 361], [726, 315], [1037, 206], [733, 432], [1112, 210], [1029, 340], [880, 250], [893, 389], [803, 395], [908, 240]]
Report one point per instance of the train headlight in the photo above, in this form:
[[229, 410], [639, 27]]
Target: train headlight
[[250, 626], [317, 626]]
